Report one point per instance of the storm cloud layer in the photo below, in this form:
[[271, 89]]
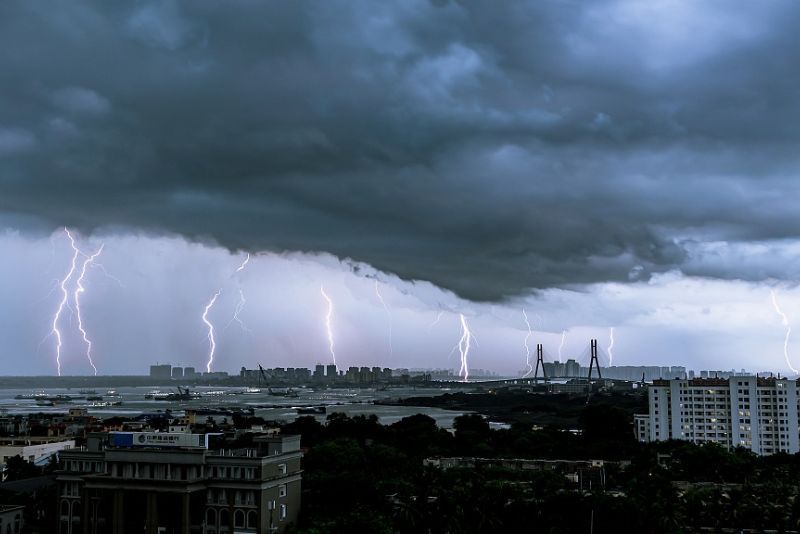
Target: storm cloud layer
[[491, 148]]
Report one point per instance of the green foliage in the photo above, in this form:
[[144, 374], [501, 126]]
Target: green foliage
[[362, 477]]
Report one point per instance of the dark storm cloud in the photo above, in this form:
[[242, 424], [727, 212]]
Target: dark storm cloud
[[491, 148]]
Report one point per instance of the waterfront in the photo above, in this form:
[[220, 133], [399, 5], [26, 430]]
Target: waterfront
[[265, 405]]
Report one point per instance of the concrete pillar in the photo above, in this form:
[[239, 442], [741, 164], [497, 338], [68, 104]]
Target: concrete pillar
[[185, 516], [119, 513], [151, 514], [85, 511]]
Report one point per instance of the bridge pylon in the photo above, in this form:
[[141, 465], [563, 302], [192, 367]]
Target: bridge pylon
[[539, 362], [594, 361]]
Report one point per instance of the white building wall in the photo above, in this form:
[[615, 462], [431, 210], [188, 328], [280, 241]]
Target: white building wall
[[742, 412]]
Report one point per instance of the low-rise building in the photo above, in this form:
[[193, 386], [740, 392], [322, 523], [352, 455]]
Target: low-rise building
[[11, 520], [33, 449], [183, 483]]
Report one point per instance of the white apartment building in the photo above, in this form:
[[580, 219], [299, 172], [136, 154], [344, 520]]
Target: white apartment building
[[760, 414]]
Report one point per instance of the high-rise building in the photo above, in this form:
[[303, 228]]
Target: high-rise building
[[760, 414], [161, 371], [331, 372], [572, 368], [177, 373], [319, 372]]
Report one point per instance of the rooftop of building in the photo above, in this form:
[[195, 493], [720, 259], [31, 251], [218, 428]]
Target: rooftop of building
[[705, 382]]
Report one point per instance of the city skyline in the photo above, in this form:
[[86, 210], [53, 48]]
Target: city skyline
[[619, 171]]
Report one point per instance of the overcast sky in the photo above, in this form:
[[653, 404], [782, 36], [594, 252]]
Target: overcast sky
[[603, 164]]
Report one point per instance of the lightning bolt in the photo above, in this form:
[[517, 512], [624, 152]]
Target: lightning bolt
[[610, 349], [328, 323], [212, 342], [561, 346], [784, 322], [525, 344], [64, 296], [237, 311], [243, 265], [388, 314], [464, 346], [242, 300], [79, 289]]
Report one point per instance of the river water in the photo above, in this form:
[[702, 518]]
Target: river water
[[270, 407]]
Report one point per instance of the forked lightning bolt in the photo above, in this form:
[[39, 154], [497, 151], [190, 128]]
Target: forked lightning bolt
[[610, 349], [561, 345], [785, 322], [79, 289], [463, 347], [328, 327], [388, 315], [64, 296], [525, 344], [242, 300], [212, 342]]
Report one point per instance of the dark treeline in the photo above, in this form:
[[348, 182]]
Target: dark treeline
[[361, 476]]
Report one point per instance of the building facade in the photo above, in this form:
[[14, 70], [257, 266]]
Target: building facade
[[760, 414], [162, 483]]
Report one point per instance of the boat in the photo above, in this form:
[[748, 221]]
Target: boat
[[91, 398], [152, 394], [290, 393], [312, 410], [183, 394], [105, 404], [112, 393], [87, 392], [252, 391]]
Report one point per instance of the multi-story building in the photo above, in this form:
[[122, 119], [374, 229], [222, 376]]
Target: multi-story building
[[153, 483], [760, 414], [161, 371]]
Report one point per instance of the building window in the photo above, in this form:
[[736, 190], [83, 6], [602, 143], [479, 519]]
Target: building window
[[252, 519], [284, 512], [282, 490], [238, 519], [211, 517], [282, 469]]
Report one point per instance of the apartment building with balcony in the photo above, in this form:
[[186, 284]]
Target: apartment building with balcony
[[760, 414]]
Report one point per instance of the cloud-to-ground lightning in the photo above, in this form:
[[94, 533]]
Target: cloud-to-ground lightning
[[525, 344], [785, 322], [328, 327], [561, 345], [64, 297], [79, 290], [610, 349], [463, 347], [211, 341], [388, 315]]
